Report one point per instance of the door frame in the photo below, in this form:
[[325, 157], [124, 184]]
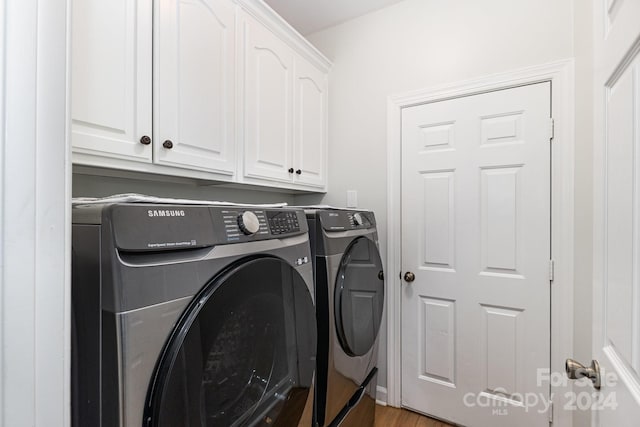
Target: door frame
[[35, 219], [561, 76]]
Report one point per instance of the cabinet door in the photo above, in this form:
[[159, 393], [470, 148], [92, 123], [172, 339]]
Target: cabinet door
[[195, 85], [268, 126], [310, 118], [111, 78]]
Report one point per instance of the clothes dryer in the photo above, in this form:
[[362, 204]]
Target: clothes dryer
[[191, 316], [349, 282]]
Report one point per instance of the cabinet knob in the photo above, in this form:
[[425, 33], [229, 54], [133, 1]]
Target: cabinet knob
[[145, 140], [299, 172], [167, 144], [290, 170]]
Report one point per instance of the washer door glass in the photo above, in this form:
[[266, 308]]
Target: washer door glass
[[359, 297], [242, 354]]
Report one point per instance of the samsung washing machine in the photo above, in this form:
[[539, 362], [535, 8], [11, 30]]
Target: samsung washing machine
[[191, 316], [349, 301]]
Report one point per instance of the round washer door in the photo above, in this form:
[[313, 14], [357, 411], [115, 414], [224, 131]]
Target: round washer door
[[242, 354], [359, 297]]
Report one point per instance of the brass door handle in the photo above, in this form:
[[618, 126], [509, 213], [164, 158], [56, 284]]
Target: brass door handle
[[576, 370], [409, 277]]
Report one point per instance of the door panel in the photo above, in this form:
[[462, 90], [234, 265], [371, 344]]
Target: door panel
[[476, 233], [617, 212], [310, 137], [111, 86], [437, 245], [437, 340], [268, 127], [195, 75]]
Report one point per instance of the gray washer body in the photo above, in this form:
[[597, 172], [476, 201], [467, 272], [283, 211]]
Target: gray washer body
[[135, 269]]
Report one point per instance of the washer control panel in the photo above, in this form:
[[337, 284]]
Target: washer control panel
[[242, 223], [282, 222], [249, 223]]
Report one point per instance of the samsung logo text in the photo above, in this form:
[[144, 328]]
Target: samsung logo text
[[159, 212]]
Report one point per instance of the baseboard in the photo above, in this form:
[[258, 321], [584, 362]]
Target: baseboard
[[381, 396]]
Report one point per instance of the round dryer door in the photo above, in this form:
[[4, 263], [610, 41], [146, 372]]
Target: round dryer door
[[242, 354], [359, 297]]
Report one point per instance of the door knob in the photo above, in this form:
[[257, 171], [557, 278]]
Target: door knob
[[145, 140], [409, 277], [168, 144], [290, 170], [576, 370]]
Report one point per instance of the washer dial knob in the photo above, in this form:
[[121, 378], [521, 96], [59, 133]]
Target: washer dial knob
[[248, 223], [357, 219]]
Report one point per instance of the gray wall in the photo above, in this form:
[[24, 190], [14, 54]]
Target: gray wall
[[100, 186]]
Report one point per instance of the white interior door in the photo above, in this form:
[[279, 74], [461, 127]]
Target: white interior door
[[476, 236], [617, 213]]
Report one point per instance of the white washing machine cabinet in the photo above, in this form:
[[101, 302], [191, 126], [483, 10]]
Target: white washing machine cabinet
[[190, 315], [349, 302]]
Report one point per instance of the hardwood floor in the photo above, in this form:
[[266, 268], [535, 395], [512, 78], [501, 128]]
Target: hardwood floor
[[386, 416]]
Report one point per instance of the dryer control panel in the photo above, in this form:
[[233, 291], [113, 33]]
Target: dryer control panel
[[338, 220]]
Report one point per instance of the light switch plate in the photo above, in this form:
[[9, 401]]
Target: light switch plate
[[352, 199]]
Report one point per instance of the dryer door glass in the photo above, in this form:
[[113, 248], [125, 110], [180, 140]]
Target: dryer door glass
[[242, 354], [359, 297]]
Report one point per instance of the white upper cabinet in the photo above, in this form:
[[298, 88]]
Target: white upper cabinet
[[220, 90], [194, 93], [285, 104], [268, 103], [111, 79], [310, 119]]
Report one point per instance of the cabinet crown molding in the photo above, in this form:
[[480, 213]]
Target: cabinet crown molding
[[270, 18]]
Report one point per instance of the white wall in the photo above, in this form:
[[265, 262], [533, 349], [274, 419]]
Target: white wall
[[419, 44], [583, 227]]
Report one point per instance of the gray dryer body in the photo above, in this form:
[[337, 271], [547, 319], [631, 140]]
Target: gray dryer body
[[350, 298]]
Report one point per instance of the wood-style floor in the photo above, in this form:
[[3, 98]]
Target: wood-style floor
[[386, 416]]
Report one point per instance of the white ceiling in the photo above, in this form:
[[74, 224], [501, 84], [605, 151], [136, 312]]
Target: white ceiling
[[308, 16]]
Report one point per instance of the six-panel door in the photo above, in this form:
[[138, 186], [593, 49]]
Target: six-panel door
[[476, 235], [616, 244]]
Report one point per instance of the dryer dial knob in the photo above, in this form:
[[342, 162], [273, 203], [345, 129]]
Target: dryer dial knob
[[357, 219], [248, 223]]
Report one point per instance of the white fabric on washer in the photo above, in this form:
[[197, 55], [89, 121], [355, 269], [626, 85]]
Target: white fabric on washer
[[142, 198]]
